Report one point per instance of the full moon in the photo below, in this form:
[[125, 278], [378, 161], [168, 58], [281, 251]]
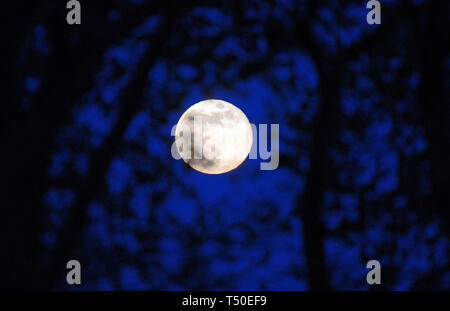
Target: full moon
[[213, 136]]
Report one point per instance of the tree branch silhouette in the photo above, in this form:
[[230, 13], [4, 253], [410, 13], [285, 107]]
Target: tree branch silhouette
[[131, 104]]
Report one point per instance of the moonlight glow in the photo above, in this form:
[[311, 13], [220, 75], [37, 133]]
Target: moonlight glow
[[213, 136]]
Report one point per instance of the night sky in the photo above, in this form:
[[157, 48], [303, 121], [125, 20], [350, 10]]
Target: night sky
[[364, 141]]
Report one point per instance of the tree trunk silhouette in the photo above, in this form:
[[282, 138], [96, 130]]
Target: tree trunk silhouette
[[433, 103], [320, 175], [132, 102]]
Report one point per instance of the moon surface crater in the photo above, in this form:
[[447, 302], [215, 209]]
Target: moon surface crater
[[213, 136]]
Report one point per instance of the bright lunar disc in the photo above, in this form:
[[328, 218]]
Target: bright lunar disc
[[213, 136]]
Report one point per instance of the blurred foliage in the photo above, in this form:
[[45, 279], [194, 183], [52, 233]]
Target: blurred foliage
[[357, 177]]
